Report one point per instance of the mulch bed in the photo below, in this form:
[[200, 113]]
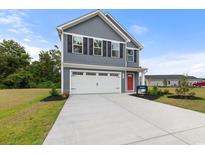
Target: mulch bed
[[54, 98], [149, 97]]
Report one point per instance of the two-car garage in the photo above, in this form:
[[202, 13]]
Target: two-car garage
[[87, 81]]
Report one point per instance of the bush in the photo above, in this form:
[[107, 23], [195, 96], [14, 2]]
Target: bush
[[166, 91], [22, 79], [54, 91], [192, 94], [45, 84], [154, 91], [184, 87]]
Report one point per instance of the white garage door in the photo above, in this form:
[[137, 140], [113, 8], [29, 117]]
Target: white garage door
[[85, 81]]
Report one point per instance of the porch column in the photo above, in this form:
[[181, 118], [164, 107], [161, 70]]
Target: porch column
[[143, 78]]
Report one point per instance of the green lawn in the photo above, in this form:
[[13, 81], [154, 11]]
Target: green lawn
[[196, 105], [23, 118]]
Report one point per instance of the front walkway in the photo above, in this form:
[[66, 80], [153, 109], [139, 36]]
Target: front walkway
[[124, 119]]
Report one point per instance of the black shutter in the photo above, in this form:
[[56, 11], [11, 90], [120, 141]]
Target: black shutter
[[85, 45], [109, 49], [121, 50], [104, 48], [69, 39], [90, 46], [135, 56]]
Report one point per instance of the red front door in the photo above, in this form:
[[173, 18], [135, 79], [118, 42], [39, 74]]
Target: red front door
[[129, 81]]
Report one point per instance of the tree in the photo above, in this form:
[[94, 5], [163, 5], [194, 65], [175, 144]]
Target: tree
[[48, 67], [184, 88], [12, 58]]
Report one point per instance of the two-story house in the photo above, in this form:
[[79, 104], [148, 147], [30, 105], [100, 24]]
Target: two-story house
[[98, 56]]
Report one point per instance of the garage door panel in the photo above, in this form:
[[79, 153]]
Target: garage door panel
[[82, 84]]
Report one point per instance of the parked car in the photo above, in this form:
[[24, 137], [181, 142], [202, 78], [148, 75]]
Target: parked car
[[199, 83]]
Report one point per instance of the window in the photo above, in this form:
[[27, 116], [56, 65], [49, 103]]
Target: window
[[102, 74], [115, 49], [77, 44], [113, 74], [97, 47], [130, 55], [90, 73], [77, 73], [169, 82]]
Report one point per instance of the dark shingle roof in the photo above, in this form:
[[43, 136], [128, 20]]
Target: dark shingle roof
[[162, 77]]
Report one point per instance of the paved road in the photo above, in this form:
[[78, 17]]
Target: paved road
[[124, 119]]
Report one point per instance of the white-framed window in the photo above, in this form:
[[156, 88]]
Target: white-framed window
[[115, 49], [130, 55], [77, 44], [97, 47]]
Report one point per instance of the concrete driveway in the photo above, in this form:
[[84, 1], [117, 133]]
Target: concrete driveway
[[124, 119]]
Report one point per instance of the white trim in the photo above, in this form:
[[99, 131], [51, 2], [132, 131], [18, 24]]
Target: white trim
[[62, 68], [118, 56], [76, 44], [96, 71], [97, 47], [133, 82], [133, 56], [90, 15], [132, 48], [141, 46], [103, 67], [98, 38]]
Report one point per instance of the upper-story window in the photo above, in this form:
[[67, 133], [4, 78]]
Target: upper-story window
[[77, 44], [115, 49], [130, 55], [97, 47]]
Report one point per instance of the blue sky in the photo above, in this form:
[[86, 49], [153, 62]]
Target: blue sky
[[174, 40]]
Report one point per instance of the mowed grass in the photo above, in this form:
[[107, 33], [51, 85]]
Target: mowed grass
[[196, 105], [23, 118]]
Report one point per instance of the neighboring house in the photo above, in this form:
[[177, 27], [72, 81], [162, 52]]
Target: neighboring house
[[98, 56], [168, 80]]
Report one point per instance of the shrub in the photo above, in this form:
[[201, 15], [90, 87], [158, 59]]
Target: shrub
[[154, 91], [184, 87], [166, 91], [45, 84], [54, 91], [22, 79], [192, 94]]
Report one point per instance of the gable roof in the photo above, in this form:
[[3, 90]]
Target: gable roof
[[112, 19], [162, 77], [91, 15]]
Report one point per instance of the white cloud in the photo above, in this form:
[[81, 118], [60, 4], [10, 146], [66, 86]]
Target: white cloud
[[33, 51], [27, 40], [138, 29], [14, 19], [175, 63]]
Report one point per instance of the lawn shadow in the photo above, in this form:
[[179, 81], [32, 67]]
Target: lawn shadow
[[185, 97]]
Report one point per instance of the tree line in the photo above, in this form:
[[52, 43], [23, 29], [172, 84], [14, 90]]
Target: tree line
[[18, 71]]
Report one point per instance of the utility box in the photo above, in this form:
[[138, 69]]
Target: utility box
[[142, 90]]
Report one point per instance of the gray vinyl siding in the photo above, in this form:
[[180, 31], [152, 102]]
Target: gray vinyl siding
[[90, 59], [134, 64], [131, 45], [95, 27], [66, 81]]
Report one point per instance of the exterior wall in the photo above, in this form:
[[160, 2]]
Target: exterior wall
[[131, 45], [90, 59], [172, 82], [95, 27], [66, 82]]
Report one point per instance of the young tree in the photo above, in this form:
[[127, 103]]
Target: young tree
[[184, 88]]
